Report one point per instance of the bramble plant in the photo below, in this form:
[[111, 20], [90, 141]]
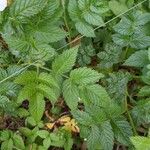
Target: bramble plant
[[74, 74]]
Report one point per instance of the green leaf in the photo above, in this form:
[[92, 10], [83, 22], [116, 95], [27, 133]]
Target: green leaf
[[141, 143], [3, 101], [137, 59], [48, 79], [124, 27], [18, 141], [83, 117], [37, 106], [106, 136], [47, 142], [140, 41], [97, 95], [5, 135], [117, 7], [3, 74], [49, 33], [93, 140], [26, 92], [85, 29], [31, 121], [22, 113], [122, 130], [121, 40], [140, 113], [85, 76], [117, 85], [144, 91], [43, 133], [17, 44], [71, 94], [64, 62], [93, 19], [26, 78], [22, 9], [83, 4], [41, 52], [47, 92], [73, 10], [51, 12], [25, 131], [130, 32], [7, 145], [110, 56]]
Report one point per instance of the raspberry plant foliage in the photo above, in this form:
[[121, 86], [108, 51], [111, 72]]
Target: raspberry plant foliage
[[66, 84]]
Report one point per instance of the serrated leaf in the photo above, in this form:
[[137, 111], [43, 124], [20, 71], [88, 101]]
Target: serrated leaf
[[26, 78], [130, 32], [97, 95], [93, 19], [37, 106], [50, 9], [71, 94], [117, 7], [73, 10], [25, 131], [121, 40], [122, 130], [5, 135], [18, 141], [83, 76], [106, 136], [3, 101], [64, 62], [85, 29], [47, 92], [43, 133], [124, 27], [49, 33], [47, 142], [41, 52], [117, 84], [48, 79], [141, 143], [140, 41], [3, 74], [21, 9], [26, 92], [83, 117], [144, 91], [17, 44], [93, 140], [137, 59], [110, 56], [141, 113], [7, 145], [83, 4]]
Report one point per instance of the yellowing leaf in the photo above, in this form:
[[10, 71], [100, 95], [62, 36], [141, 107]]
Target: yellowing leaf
[[72, 126], [64, 119], [50, 125]]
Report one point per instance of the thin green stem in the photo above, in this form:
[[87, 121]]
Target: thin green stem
[[51, 70], [129, 117], [37, 70], [126, 52], [65, 21]]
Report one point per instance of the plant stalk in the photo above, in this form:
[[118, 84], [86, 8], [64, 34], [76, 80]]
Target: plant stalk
[[130, 118]]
